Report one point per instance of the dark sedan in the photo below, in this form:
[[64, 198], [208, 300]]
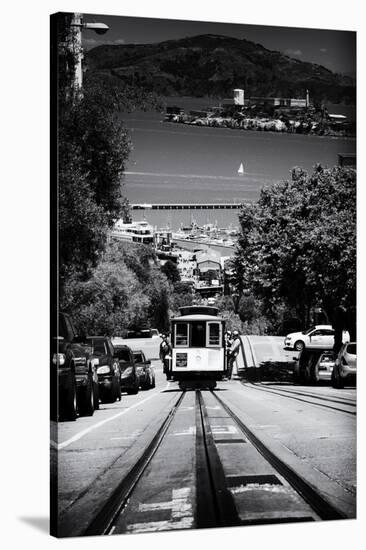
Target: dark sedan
[[108, 371], [144, 370], [129, 375]]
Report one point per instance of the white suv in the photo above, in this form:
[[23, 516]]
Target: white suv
[[318, 337]]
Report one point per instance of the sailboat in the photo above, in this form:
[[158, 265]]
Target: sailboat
[[241, 169]]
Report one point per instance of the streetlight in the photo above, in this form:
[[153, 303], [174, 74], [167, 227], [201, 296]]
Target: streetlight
[[77, 25], [99, 28]]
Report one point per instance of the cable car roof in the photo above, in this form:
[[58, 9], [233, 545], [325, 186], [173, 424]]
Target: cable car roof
[[198, 310], [197, 317]]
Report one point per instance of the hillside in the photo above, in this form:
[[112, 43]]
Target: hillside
[[212, 65]]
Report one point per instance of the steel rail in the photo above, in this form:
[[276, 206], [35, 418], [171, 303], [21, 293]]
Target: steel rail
[[307, 394], [279, 392], [322, 507], [215, 503], [102, 523]]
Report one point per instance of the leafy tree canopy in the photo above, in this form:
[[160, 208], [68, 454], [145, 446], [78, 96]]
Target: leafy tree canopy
[[298, 242], [93, 147], [171, 271], [116, 297]]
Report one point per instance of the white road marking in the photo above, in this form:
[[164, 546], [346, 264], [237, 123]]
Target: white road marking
[[181, 513], [259, 487], [190, 431], [154, 526], [130, 436], [215, 408], [81, 434], [224, 430]]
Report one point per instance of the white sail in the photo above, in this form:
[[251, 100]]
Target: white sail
[[241, 169]]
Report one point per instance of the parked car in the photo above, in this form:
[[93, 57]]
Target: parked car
[[144, 370], [320, 336], [130, 381], [345, 366], [74, 382], [324, 367], [108, 371]]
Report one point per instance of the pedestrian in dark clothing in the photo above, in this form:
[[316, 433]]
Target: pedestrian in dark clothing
[[165, 354]]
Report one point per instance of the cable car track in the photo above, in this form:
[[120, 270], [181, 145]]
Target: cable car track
[[324, 509], [102, 523], [341, 401], [298, 397], [216, 503]]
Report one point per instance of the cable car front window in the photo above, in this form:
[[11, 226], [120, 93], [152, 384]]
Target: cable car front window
[[213, 334], [181, 334]]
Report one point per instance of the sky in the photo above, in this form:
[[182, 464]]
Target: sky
[[335, 50]]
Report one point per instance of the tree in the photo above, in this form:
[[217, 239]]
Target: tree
[[117, 296], [91, 148], [181, 295], [171, 271], [298, 243]]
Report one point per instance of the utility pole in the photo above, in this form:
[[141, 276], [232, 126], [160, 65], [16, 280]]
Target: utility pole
[[75, 42]]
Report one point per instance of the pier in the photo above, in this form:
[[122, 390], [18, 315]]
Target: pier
[[188, 206]]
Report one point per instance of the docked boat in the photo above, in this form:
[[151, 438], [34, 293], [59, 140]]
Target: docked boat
[[137, 232]]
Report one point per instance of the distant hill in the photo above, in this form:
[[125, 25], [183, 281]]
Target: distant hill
[[212, 65]]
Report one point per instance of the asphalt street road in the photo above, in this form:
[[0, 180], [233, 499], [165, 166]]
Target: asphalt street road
[[312, 428]]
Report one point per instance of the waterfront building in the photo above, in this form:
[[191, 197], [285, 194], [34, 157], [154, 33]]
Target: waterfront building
[[209, 273]]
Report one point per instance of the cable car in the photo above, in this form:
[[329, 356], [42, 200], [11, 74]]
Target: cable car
[[198, 347]]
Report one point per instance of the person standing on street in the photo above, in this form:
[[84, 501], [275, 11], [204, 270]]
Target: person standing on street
[[228, 339], [165, 355], [233, 352]]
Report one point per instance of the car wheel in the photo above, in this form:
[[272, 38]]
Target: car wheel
[[86, 406], [108, 396], [118, 393], [299, 345], [332, 378], [337, 382], [69, 410], [96, 396]]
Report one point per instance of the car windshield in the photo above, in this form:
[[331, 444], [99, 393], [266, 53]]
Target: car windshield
[[137, 357], [351, 348], [122, 355]]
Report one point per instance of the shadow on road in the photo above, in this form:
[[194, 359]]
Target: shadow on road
[[269, 371]]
